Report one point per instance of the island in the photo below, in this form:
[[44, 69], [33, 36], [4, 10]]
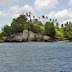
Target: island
[[25, 29]]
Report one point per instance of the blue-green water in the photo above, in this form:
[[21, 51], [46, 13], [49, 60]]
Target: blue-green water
[[36, 57]]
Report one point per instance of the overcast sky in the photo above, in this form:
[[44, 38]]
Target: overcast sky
[[55, 9]]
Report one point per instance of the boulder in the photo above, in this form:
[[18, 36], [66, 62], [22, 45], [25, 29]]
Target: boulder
[[47, 38], [1, 40], [15, 37], [4, 38], [38, 37]]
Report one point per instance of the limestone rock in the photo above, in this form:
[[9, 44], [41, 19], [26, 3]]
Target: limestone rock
[[47, 38], [31, 36], [4, 38], [25, 35], [15, 37], [1, 40], [38, 37]]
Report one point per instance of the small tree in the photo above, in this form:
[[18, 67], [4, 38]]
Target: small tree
[[7, 30], [61, 25], [57, 25], [43, 18], [50, 29]]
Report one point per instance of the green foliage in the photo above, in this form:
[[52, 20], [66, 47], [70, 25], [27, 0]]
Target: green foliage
[[57, 25], [59, 33], [50, 29], [7, 30], [67, 31], [2, 34], [62, 26]]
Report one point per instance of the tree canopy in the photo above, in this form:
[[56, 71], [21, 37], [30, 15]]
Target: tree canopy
[[25, 22]]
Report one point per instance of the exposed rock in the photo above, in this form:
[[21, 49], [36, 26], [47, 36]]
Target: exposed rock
[[47, 38], [31, 36], [38, 37], [15, 37], [25, 35], [1, 40], [4, 38]]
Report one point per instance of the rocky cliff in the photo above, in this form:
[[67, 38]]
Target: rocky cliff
[[27, 35]]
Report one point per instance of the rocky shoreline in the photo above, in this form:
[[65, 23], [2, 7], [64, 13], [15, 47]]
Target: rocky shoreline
[[30, 36]]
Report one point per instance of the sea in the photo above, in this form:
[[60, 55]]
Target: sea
[[36, 57]]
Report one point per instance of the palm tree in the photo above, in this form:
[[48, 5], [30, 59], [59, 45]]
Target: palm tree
[[30, 15], [66, 25], [46, 17], [50, 19], [61, 25], [26, 14], [39, 18], [57, 27], [31, 20], [34, 17], [43, 18], [55, 20]]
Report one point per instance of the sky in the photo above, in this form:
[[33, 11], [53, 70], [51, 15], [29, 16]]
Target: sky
[[55, 9]]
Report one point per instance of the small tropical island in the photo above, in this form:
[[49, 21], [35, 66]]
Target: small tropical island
[[24, 29]]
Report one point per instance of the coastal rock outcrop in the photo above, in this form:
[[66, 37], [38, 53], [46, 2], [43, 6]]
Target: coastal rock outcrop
[[15, 37], [38, 37], [31, 36], [1, 40], [27, 35], [47, 38]]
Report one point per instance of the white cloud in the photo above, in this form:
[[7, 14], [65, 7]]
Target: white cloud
[[3, 13], [7, 2], [70, 2], [45, 4], [64, 14], [15, 11]]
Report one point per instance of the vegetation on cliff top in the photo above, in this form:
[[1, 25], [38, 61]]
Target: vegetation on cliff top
[[35, 25]]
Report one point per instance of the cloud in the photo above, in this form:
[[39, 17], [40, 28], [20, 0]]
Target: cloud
[[3, 13], [70, 2], [64, 14], [45, 4], [7, 2], [15, 11]]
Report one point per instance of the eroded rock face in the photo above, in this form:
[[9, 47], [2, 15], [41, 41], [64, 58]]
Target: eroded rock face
[[25, 35], [38, 37], [15, 37], [31, 36], [1, 40], [4, 38], [46, 38]]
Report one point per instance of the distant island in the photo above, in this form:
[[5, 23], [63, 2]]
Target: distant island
[[25, 29]]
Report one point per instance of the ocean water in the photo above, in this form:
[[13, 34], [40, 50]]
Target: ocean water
[[36, 57]]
